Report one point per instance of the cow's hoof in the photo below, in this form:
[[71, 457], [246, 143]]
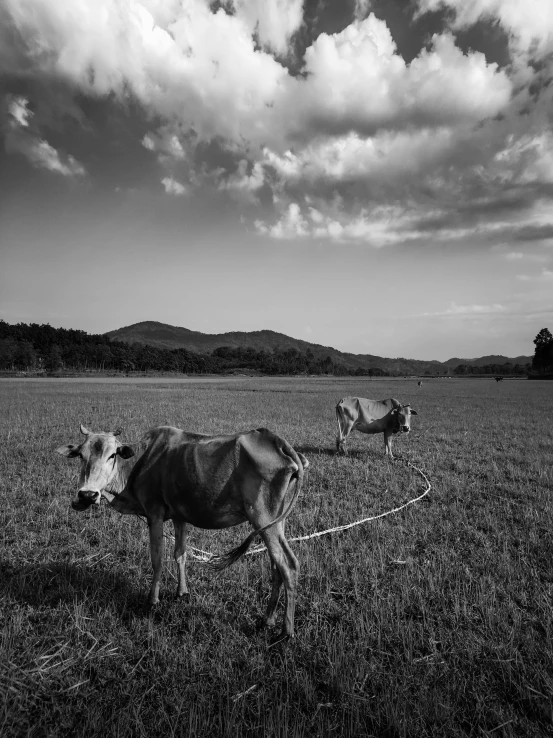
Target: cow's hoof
[[260, 624], [184, 597], [281, 640]]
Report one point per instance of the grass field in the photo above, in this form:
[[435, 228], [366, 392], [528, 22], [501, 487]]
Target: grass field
[[436, 621]]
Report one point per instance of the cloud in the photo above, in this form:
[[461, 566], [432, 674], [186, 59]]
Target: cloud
[[203, 69], [291, 225], [20, 137], [172, 187], [18, 108], [530, 26], [166, 144], [361, 9], [519, 256], [243, 185], [356, 81], [546, 275], [379, 226], [353, 144], [468, 311], [274, 21]]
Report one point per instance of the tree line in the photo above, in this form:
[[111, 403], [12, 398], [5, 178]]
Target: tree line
[[503, 370], [34, 347], [40, 347]]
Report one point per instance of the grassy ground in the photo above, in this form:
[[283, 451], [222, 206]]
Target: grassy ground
[[436, 621]]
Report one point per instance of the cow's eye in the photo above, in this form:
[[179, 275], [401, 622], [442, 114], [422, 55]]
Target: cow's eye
[[111, 457]]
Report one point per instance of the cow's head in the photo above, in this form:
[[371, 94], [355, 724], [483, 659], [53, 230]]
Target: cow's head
[[99, 454], [402, 417]]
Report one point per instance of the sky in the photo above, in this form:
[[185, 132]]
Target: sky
[[372, 175]]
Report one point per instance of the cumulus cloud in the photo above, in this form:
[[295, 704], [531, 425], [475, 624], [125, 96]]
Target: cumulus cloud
[[356, 144], [203, 69], [274, 21], [20, 137], [356, 81], [166, 144], [378, 226], [291, 225], [172, 187], [200, 68], [529, 25], [361, 9], [243, 185], [18, 108]]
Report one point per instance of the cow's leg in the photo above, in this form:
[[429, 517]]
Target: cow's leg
[[287, 564], [181, 530], [345, 426], [276, 584], [156, 552], [388, 444]]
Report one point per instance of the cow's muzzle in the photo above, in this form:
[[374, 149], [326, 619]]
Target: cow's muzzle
[[86, 498], [405, 429]]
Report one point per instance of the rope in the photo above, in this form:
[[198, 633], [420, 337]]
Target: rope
[[205, 556]]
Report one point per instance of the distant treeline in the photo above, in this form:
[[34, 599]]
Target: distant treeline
[[40, 347], [37, 347], [502, 370]]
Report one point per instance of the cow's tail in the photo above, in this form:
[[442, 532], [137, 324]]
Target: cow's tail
[[218, 563], [340, 419]]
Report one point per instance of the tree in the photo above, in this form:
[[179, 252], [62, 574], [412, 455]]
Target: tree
[[25, 356], [8, 352], [543, 354], [54, 358]]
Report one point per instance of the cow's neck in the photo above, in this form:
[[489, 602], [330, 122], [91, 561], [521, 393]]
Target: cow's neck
[[118, 481]]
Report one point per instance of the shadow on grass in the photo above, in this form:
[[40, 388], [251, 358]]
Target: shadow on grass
[[315, 451], [51, 585]]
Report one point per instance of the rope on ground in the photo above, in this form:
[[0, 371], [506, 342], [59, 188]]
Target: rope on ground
[[206, 556]]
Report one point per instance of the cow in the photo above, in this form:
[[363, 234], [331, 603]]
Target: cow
[[372, 416], [419, 383], [498, 379], [205, 481]]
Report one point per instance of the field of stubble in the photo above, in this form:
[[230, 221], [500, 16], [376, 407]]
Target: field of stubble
[[436, 621]]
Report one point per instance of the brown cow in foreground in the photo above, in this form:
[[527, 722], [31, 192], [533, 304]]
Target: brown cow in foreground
[[372, 416], [205, 481]]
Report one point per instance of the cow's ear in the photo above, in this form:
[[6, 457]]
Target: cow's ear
[[70, 451], [125, 452], [414, 412]]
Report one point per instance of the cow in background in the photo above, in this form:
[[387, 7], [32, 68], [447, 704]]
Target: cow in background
[[372, 416]]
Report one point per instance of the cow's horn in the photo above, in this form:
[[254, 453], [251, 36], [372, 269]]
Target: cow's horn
[[84, 430], [117, 432]]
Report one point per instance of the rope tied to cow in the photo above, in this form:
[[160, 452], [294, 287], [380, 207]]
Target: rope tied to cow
[[205, 557]]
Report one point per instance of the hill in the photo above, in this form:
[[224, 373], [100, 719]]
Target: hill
[[485, 360], [166, 336]]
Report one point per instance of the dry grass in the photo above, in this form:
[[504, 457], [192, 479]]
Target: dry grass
[[432, 622]]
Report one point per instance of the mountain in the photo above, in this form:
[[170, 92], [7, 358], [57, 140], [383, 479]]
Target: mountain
[[484, 360], [161, 335]]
